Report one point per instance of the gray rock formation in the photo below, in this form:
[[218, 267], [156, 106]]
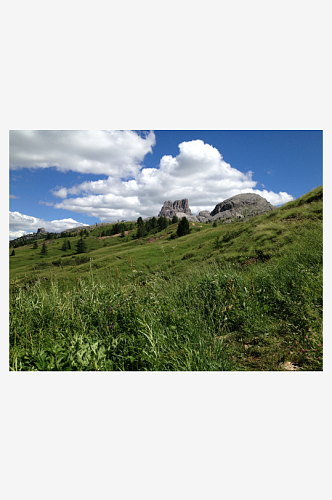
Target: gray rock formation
[[180, 208], [41, 230], [204, 213], [241, 206]]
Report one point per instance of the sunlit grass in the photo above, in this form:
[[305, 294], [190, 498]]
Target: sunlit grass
[[242, 296]]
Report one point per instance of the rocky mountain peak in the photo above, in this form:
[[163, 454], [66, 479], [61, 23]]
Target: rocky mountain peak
[[240, 206], [247, 204], [169, 209]]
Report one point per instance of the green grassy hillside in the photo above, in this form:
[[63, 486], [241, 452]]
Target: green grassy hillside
[[239, 296]]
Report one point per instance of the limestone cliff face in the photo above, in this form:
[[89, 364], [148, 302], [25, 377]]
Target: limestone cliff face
[[170, 209], [240, 206], [182, 206]]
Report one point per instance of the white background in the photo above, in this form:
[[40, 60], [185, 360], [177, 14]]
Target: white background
[[175, 65]]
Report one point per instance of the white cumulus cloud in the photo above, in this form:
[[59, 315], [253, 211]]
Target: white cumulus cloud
[[109, 152], [131, 190], [198, 173], [21, 224], [274, 198]]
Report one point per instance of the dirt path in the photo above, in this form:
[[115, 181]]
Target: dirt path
[[112, 236]]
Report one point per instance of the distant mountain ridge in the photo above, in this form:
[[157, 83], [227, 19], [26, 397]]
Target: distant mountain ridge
[[240, 206]]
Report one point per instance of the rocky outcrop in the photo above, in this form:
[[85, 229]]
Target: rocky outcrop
[[167, 207], [241, 206], [41, 230], [180, 208], [204, 213]]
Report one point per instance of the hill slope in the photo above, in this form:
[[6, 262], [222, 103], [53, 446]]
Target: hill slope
[[242, 296], [236, 242]]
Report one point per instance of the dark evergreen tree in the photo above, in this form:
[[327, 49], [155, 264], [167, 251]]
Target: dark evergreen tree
[[115, 229], [153, 222], [183, 227], [64, 246], [162, 223], [35, 245], [13, 253], [140, 231], [81, 246], [175, 219], [68, 245], [43, 249]]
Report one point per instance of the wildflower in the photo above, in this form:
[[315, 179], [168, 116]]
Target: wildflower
[[306, 336], [173, 311], [302, 350], [319, 345]]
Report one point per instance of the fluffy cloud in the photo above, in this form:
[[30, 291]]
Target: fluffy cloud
[[109, 152], [20, 224], [274, 198], [198, 173]]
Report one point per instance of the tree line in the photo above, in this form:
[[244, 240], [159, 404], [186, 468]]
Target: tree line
[[144, 228]]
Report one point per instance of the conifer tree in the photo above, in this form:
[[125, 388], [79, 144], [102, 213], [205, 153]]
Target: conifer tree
[[162, 223], [43, 249], [183, 227], [81, 246], [140, 231]]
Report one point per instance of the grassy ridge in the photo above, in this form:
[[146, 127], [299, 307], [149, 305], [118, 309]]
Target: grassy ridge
[[242, 296]]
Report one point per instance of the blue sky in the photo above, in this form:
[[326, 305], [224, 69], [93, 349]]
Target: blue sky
[[60, 179]]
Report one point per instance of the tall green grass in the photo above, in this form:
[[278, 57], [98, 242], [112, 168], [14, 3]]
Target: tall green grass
[[221, 316]]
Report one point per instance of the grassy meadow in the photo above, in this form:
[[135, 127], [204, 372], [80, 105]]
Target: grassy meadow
[[239, 296]]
